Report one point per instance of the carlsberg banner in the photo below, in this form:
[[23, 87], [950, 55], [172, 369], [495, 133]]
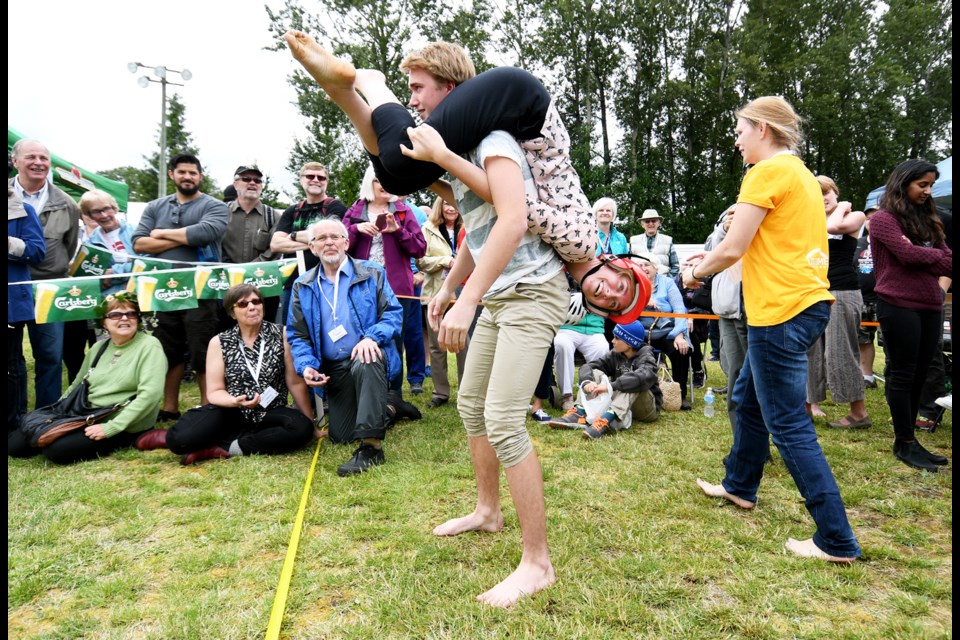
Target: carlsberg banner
[[66, 300], [91, 261], [158, 288]]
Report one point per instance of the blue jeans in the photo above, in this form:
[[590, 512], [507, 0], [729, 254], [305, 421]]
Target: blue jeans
[[412, 349], [46, 340], [770, 394]]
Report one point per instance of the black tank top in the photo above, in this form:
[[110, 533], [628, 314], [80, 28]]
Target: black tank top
[[841, 272]]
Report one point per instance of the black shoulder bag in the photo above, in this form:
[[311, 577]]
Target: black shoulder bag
[[73, 412]]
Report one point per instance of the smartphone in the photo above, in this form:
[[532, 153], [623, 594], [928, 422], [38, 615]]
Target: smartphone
[[381, 221]]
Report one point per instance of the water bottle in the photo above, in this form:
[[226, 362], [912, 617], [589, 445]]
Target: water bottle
[[708, 408]]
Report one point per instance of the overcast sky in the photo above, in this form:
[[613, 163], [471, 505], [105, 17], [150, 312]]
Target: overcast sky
[[69, 87]]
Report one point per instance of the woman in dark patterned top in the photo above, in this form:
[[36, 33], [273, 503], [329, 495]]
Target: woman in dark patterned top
[[249, 373]]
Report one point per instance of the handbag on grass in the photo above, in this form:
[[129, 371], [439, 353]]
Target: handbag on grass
[[67, 414], [672, 397]]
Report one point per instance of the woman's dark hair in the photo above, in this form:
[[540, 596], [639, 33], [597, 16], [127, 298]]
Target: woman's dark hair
[[920, 222], [237, 293]]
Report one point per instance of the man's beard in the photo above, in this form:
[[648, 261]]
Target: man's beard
[[188, 191]]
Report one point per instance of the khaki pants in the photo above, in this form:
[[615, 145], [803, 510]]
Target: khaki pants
[[506, 355]]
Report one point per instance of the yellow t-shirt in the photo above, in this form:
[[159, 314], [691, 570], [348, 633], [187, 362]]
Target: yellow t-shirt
[[785, 267]]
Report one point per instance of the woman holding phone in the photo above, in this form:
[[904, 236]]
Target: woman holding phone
[[384, 230]]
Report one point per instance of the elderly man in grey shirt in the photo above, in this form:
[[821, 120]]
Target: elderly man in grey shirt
[[186, 227]]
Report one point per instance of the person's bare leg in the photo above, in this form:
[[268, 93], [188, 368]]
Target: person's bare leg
[[487, 515], [717, 491], [202, 384], [340, 80], [535, 572], [171, 388], [814, 410], [868, 354]]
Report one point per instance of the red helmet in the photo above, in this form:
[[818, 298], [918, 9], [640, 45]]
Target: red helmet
[[641, 292]]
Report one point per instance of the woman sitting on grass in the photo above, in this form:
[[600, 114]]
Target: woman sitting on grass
[[130, 362], [249, 370]]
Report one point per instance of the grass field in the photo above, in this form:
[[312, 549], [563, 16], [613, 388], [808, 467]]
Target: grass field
[[136, 546]]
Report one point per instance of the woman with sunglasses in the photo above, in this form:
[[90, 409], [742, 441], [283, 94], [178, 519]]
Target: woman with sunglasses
[[249, 373], [129, 363]]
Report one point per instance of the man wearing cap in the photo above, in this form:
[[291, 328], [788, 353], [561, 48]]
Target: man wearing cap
[[251, 226], [186, 227], [290, 237], [654, 242]]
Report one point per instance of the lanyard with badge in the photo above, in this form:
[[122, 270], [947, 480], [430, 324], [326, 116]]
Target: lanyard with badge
[[269, 394], [338, 330]]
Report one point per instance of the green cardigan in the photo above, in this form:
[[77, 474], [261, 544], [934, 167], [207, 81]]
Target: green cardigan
[[138, 367]]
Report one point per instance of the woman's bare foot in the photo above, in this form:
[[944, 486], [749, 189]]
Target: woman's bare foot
[[717, 491], [814, 410], [526, 580], [807, 549], [473, 522], [330, 72]]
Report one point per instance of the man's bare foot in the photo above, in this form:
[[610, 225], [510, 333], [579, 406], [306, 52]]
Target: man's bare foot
[[807, 549], [717, 491], [332, 73], [526, 580], [472, 522]]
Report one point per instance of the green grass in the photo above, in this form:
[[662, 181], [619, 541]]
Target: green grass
[[136, 546]]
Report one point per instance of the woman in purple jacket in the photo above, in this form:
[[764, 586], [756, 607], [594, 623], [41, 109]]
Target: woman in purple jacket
[[912, 264], [385, 230]]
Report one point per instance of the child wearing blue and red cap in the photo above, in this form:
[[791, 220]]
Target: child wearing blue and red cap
[[629, 374]]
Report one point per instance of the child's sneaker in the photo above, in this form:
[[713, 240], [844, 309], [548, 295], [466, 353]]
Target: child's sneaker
[[574, 418], [600, 427], [540, 415]]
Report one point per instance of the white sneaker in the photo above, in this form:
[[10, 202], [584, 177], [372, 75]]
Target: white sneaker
[[541, 416], [946, 402]]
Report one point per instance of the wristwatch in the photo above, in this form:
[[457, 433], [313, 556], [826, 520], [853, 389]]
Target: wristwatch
[[293, 236]]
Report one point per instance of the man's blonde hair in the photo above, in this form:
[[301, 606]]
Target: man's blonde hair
[[444, 61]]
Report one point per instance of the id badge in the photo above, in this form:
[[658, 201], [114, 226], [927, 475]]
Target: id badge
[[267, 396], [336, 333]]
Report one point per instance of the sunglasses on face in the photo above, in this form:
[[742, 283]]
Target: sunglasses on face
[[243, 304], [250, 179], [309, 177], [122, 315]]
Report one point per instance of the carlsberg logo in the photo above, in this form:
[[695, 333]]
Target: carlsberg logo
[[261, 283], [218, 284], [69, 305], [168, 294], [92, 268]]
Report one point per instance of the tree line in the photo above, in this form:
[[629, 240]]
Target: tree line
[[648, 88]]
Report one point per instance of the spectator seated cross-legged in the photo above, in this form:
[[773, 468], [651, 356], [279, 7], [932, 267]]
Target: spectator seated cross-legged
[[249, 372], [129, 363], [629, 374]]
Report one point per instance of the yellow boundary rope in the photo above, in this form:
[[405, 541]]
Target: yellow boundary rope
[[283, 587]]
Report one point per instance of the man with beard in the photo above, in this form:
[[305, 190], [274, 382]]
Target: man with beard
[[185, 227]]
